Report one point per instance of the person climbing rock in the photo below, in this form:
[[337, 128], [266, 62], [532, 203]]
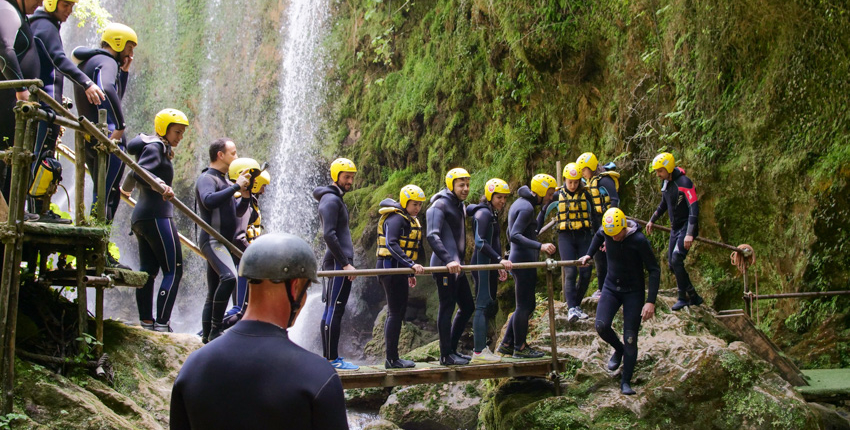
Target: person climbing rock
[[20, 60], [218, 208], [250, 228], [333, 214], [446, 233], [254, 372], [399, 245], [602, 184], [522, 231], [679, 199], [108, 67], [153, 219], [629, 254], [574, 222], [488, 250], [55, 67]]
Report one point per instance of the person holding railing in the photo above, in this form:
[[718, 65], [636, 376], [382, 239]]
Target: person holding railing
[[153, 219], [679, 199], [629, 254], [55, 66], [522, 231], [19, 59], [603, 185], [399, 245], [217, 207], [446, 225], [488, 250], [333, 213]]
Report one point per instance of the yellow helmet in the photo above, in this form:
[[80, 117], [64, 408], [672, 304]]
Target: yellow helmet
[[541, 183], [572, 172], [456, 173], [260, 181], [239, 165], [614, 221], [665, 160], [410, 192], [587, 160], [494, 186], [117, 36], [50, 5], [167, 117], [341, 165]]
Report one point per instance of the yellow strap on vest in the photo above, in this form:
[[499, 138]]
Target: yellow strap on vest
[[409, 243], [573, 213]]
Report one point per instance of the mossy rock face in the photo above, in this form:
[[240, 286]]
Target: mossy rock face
[[145, 365], [425, 353], [410, 338], [435, 407], [366, 398]]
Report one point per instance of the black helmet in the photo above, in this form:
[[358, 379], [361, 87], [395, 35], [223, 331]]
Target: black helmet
[[279, 257]]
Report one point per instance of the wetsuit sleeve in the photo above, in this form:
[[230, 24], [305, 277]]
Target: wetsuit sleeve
[[243, 205], [179, 419], [522, 220], [392, 230], [553, 205], [328, 409], [436, 218], [108, 82], [149, 159], [611, 188], [329, 212], [8, 33], [598, 240], [208, 195], [660, 210], [686, 187], [49, 36], [650, 263], [481, 222]]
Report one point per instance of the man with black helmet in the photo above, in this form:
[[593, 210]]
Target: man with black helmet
[[255, 359]]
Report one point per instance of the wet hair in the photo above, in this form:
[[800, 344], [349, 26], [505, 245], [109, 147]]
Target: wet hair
[[217, 146], [483, 199]]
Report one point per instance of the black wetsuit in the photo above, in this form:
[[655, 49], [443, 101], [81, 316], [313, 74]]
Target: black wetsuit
[[241, 241], [340, 252], [154, 227], [488, 250], [217, 207], [55, 66], [255, 377], [679, 199], [599, 261], [19, 59], [446, 218], [395, 286], [625, 287], [522, 231], [102, 68]]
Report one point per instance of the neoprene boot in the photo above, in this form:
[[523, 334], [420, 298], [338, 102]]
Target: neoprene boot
[[614, 362], [215, 332], [398, 363], [694, 299], [626, 388], [682, 302]]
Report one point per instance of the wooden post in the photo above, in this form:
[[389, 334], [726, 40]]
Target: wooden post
[[748, 304], [102, 160], [80, 179], [554, 340], [82, 299], [560, 179]]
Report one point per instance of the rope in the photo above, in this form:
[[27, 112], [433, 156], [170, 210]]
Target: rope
[[742, 263]]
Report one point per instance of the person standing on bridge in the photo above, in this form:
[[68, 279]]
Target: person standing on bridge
[[55, 66], [602, 184], [488, 250], [217, 207], [522, 231], [254, 376], [679, 199], [153, 219], [628, 254], [333, 213], [446, 219], [399, 244]]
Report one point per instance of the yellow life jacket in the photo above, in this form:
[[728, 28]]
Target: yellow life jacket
[[573, 211], [255, 229], [409, 243], [601, 200]]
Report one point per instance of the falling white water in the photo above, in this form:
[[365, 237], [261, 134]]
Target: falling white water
[[289, 206]]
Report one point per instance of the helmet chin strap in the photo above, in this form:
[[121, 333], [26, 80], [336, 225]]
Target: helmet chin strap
[[294, 303]]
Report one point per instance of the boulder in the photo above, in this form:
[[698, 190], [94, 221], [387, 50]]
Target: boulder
[[435, 407]]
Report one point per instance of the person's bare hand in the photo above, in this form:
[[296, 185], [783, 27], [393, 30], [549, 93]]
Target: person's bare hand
[[125, 63], [117, 135], [503, 275], [507, 264], [411, 282], [22, 95], [648, 312], [350, 267], [95, 95], [689, 240], [584, 260], [418, 269], [453, 267], [167, 193], [243, 180], [548, 248], [649, 226]]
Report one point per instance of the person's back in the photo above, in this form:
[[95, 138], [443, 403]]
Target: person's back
[[247, 379]]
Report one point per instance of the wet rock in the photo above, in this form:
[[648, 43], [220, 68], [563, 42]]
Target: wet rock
[[435, 407]]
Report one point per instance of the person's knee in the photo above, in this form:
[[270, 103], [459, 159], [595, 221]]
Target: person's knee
[[603, 327], [677, 260], [630, 342], [570, 273]]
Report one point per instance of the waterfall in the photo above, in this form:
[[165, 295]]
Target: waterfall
[[289, 206]]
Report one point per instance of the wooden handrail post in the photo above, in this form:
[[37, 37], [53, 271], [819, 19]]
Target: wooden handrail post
[[553, 336]]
